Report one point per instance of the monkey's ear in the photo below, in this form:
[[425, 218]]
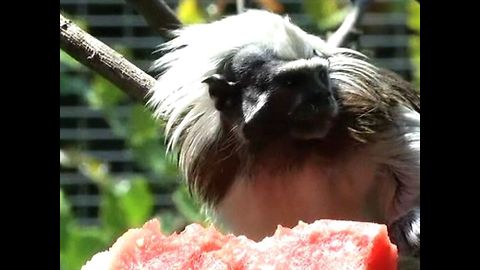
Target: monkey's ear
[[222, 92]]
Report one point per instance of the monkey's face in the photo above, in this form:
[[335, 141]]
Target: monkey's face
[[264, 96]]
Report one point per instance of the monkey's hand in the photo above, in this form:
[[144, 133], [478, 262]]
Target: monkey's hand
[[405, 233]]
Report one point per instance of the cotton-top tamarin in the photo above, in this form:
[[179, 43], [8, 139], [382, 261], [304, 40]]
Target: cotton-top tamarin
[[272, 126]]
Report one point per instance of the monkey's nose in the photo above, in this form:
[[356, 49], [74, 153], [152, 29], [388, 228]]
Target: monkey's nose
[[319, 97]]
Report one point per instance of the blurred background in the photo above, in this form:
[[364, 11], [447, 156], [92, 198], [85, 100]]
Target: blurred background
[[114, 173]]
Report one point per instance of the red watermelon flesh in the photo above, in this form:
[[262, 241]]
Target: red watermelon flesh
[[324, 244]]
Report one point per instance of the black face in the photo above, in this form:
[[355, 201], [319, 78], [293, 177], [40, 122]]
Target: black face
[[268, 97]]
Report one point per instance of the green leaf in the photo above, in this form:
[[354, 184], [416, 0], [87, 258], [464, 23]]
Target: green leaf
[[80, 22], [135, 200], [145, 139], [320, 9], [125, 204], [96, 170], [413, 12], [327, 13], [69, 61], [116, 123], [334, 20], [171, 221], [66, 220], [73, 84], [189, 12], [123, 50], [142, 127], [151, 156], [84, 243], [89, 166], [111, 213], [73, 79], [104, 94], [187, 205], [65, 207]]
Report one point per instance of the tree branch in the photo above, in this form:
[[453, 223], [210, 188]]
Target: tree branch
[[340, 36], [104, 60], [157, 14]]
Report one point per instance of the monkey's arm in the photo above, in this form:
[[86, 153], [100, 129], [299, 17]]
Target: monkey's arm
[[404, 162], [400, 150]]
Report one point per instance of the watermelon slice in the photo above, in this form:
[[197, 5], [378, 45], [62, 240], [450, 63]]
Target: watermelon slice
[[324, 244]]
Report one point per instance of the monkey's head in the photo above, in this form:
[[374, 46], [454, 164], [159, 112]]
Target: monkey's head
[[263, 96], [254, 78]]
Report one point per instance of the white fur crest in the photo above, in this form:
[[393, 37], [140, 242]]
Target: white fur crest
[[181, 98]]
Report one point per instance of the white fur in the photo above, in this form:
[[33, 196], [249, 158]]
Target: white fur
[[262, 99], [311, 63], [181, 98], [399, 150]]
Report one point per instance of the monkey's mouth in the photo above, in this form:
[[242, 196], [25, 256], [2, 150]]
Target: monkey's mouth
[[311, 129], [307, 121], [312, 121]]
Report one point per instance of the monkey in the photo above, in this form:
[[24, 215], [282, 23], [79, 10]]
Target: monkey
[[273, 125]]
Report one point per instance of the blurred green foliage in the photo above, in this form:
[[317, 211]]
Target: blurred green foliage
[[190, 12], [328, 14], [129, 202], [413, 13], [126, 202]]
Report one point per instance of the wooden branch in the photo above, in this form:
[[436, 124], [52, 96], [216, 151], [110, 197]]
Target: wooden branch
[[157, 14], [104, 60], [136, 83], [342, 34]]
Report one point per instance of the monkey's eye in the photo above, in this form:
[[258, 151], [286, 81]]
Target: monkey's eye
[[289, 80], [323, 76]]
